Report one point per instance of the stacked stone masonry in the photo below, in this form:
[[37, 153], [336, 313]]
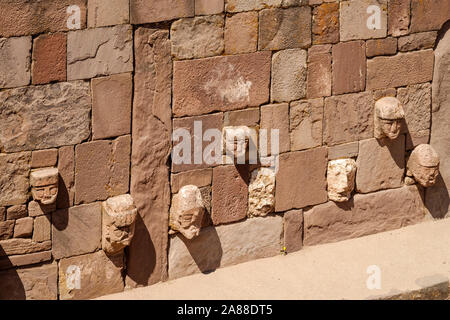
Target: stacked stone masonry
[[100, 99]]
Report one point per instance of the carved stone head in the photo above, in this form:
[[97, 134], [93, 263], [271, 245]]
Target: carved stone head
[[341, 179], [44, 185], [186, 213], [119, 216], [388, 118], [237, 140], [423, 165]]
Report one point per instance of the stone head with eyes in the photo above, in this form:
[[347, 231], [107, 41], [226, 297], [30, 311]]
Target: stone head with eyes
[[341, 179], [388, 119], [44, 185], [423, 165]]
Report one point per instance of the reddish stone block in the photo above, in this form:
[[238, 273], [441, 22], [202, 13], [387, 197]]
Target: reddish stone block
[[16, 212], [241, 33], [325, 26], [417, 41], [147, 11], [427, 15], [44, 158], [293, 230], [319, 74], [6, 229], [398, 17], [66, 168], [381, 47], [247, 117], [349, 67], [199, 178], [276, 116], [49, 58], [23, 227]]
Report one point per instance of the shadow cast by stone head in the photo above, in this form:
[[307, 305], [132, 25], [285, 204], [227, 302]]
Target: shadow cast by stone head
[[11, 286]]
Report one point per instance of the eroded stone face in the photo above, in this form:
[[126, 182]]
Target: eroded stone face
[[186, 213], [44, 185], [119, 216], [238, 141], [261, 193], [389, 115], [341, 179], [423, 165]]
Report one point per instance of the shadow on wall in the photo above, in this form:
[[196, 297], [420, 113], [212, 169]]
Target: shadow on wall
[[11, 286]]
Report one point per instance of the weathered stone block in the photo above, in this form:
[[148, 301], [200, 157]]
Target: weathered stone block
[[319, 74], [6, 229], [23, 227], [24, 259], [349, 67], [44, 158], [205, 7], [261, 192], [309, 186], [289, 70], [14, 182], [12, 247], [381, 164], [66, 169], [416, 100], [49, 58], [197, 37], [247, 117], [293, 230], [2, 213], [400, 70], [241, 33], [306, 124], [246, 5], [427, 15], [284, 28], [147, 11], [15, 50], [341, 179], [398, 17], [220, 83], [16, 212], [325, 28], [347, 150], [102, 169], [417, 41], [368, 214], [42, 228], [36, 209], [276, 116], [99, 52], [381, 47], [102, 13], [199, 178]]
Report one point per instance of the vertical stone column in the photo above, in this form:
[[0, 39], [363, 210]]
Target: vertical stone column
[[151, 131]]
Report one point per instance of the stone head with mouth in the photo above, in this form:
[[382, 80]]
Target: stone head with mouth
[[423, 165], [44, 185], [341, 179], [388, 118]]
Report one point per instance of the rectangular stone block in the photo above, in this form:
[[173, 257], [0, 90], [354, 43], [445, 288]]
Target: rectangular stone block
[[76, 230], [148, 11], [15, 74], [416, 100], [347, 150], [381, 47], [23, 227], [381, 164], [2, 213], [42, 117], [102, 13], [427, 15], [205, 7], [226, 245], [25, 259], [99, 52], [35, 209], [14, 178], [49, 58], [247, 117], [42, 228], [241, 33], [417, 41], [249, 5], [22, 246], [220, 83], [367, 214], [293, 230], [44, 158], [305, 124], [199, 178], [398, 17], [319, 73], [309, 186], [349, 67], [6, 229], [16, 212], [276, 116], [66, 169], [325, 26], [400, 70]]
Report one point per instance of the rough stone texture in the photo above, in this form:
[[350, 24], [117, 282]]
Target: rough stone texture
[[16, 212], [226, 245], [398, 18], [325, 28], [44, 116], [416, 100], [284, 28], [400, 70], [413, 139], [341, 179], [309, 186], [249, 5], [36, 209], [306, 124], [24, 17], [147, 11], [381, 47], [24, 260], [349, 67], [261, 192], [390, 92], [319, 73], [22, 246], [99, 275], [199, 178], [49, 58], [204, 7], [15, 62], [347, 150], [76, 230], [293, 230], [417, 41], [229, 194], [2, 213], [348, 118], [241, 33], [44, 158], [247, 117], [354, 19], [66, 169], [103, 13], [220, 83], [147, 254], [35, 283], [288, 75], [276, 116], [102, 169], [42, 228], [14, 183], [23, 227], [99, 51], [381, 164], [6, 229], [367, 214], [427, 15], [111, 106], [197, 37]]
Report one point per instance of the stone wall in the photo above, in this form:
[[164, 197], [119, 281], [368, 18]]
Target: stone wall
[[96, 88]]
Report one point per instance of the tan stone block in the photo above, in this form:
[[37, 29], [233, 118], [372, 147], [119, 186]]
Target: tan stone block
[[398, 17], [293, 230], [98, 275], [325, 26], [400, 70], [247, 117], [15, 74], [16, 212], [319, 72], [12, 247], [241, 33], [417, 41], [347, 150], [14, 182], [413, 139], [102, 169], [427, 15], [99, 52], [49, 58], [66, 169], [276, 116], [2, 213], [42, 228], [367, 214], [102, 13], [349, 67], [111, 106], [76, 230], [306, 124], [341, 179], [220, 83], [23, 227], [36, 209], [205, 7], [24, 259], [309, 186], [381, 47], [6, 229], [197, 37], [378, 94], [246, 5], [348, 118], [261, 192], [229, 194], [148, 11], [416, 100], [381, 164], [199, 178], [44, 158]]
